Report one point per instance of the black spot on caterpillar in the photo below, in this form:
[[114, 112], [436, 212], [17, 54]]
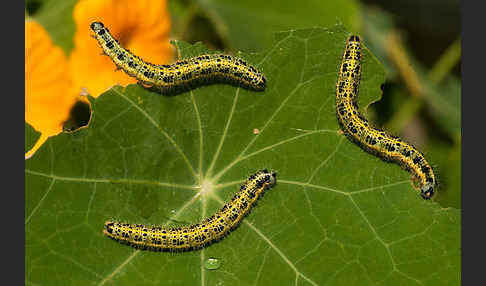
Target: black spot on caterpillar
[[198, 235], [182, 75], [375, 141]]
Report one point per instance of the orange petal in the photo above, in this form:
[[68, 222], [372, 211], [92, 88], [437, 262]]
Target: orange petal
[[143, 27], [48, 93]]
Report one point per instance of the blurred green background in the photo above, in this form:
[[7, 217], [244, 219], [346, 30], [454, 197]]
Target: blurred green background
[[418, 43]]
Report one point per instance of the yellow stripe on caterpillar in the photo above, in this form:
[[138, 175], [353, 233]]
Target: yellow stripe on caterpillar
[[182, 75], [375, 141], [198, 235]]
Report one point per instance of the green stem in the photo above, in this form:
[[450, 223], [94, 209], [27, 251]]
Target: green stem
[[446, 62]]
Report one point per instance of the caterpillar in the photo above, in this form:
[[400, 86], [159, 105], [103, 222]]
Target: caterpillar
[[198, 235], [183, 75], [357, 128]]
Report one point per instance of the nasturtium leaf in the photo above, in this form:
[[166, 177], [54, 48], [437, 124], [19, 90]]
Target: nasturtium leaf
[[337, 216], [31, 136]]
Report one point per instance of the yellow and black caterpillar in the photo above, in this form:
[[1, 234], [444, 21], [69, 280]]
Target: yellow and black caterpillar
[[371, 139], [182, 75], [197, 235]]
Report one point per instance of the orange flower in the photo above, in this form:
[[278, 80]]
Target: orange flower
[[53, 84], [48, 92], [141, 26]]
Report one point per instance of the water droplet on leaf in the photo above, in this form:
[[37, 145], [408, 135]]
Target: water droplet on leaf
[[212, 263]]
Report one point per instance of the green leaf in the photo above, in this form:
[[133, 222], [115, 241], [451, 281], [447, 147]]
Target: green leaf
[[31, 136], [337, 216], [250, 24]]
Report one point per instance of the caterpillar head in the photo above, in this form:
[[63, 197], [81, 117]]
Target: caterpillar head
[[427, 191], [109, 225], [96, 26], [270, 177], [261, 82], [273, 178], [354, 38]]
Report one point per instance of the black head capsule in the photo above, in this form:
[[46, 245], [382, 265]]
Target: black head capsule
[[96, 26], [427, 191], [109, 227], [261, 83], [273, 178], [354, 38]]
